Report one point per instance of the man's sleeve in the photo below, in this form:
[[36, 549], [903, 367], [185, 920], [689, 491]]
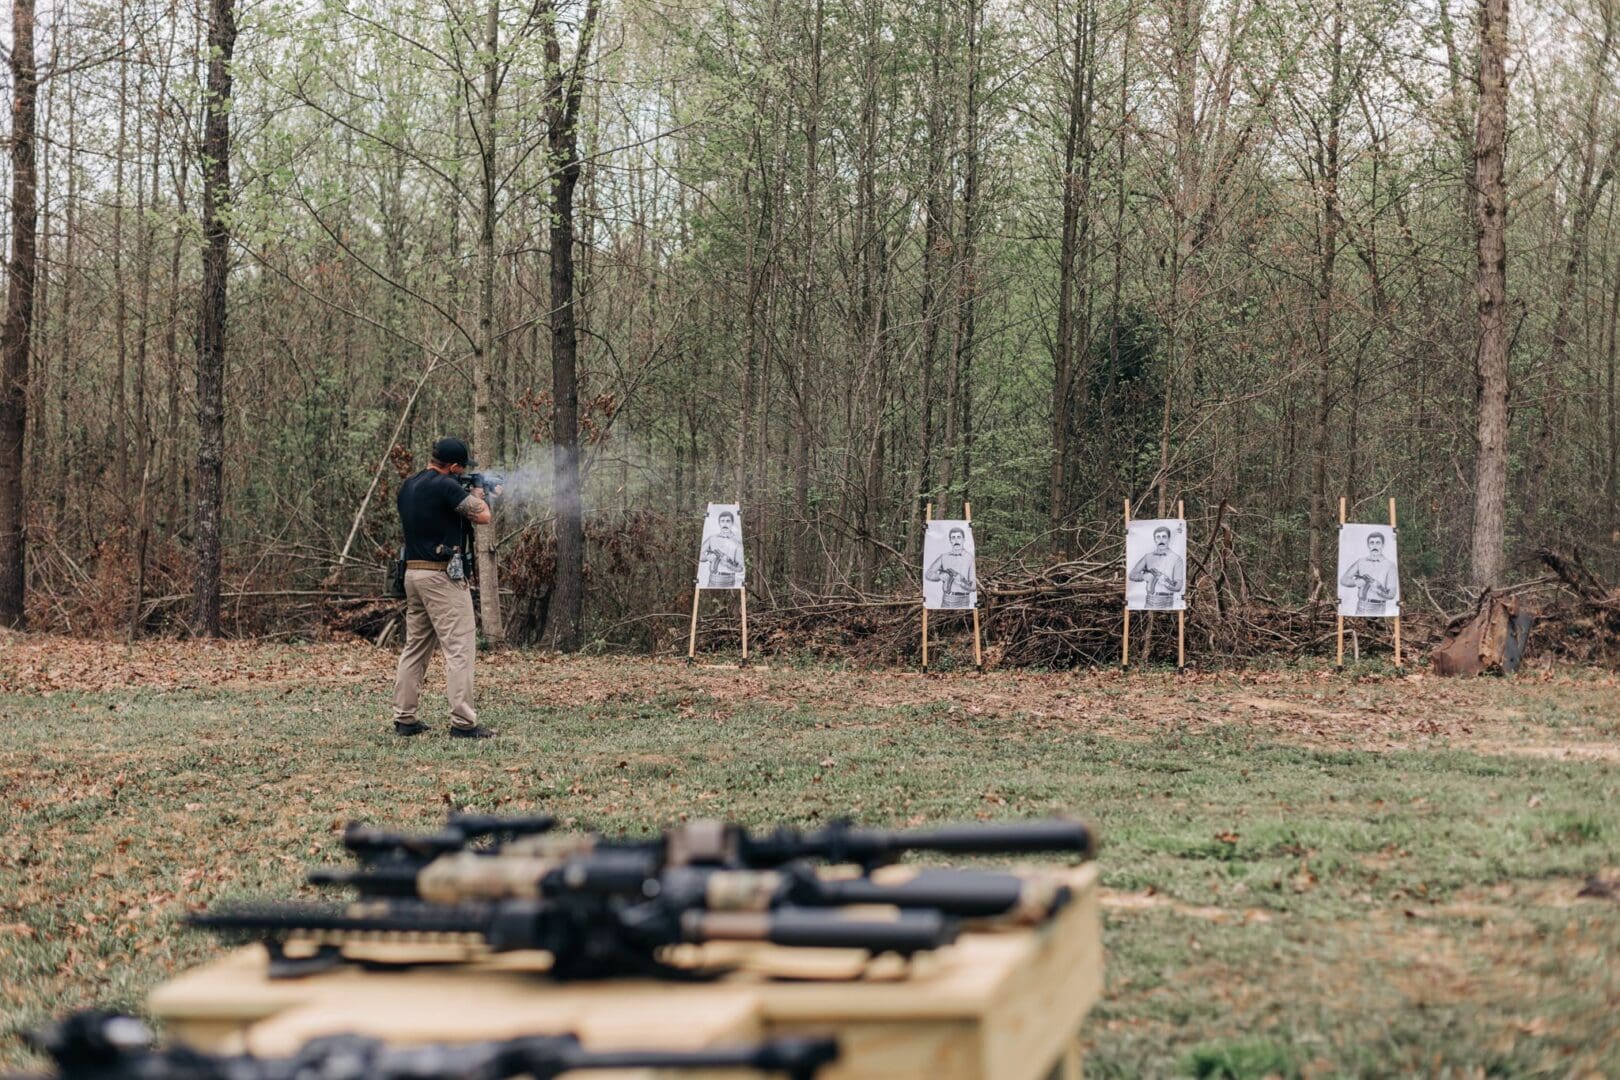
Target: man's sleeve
[[452, 495]]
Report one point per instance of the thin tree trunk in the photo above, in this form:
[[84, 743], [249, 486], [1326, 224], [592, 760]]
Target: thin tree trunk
[[1074, 197], [802, 558], [120, 449], [19, 324], [1490, 289], [960, 436], [565, 618], [1612, 488], [211, 318], [1323, 517], [489, 580]]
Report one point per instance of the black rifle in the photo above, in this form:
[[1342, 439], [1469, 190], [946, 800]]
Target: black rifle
[[595, 932], [468, 876], [719, 843], [461, 831], [107, 1046]]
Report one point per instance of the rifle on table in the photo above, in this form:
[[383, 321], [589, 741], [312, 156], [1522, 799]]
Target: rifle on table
[[109, 1046], [725, 844], [460, 832], [468, 876], [594, 932]]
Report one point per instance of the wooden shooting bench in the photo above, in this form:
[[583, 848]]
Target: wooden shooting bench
[[1002, 1004]]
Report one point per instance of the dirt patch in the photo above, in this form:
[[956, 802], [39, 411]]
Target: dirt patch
[[1559, 752], [1129, 903]]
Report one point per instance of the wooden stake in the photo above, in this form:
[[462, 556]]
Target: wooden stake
[[1397, 602], [1181, 615], [743, 594], [1340, 661], [1125, 638], [928, 515], [978, 655], [691, 639]]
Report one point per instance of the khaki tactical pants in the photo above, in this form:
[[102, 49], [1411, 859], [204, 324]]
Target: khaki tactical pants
[[437, 611]]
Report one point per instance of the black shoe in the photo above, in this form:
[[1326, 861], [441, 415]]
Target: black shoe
[[415, 727], [477, 731]]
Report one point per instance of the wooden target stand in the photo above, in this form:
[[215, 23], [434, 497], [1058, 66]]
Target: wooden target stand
[[978, 649], [1339, 663], [691, 637], [1181, 615]]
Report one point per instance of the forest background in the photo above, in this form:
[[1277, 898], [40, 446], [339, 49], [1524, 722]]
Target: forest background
[[833, 259]]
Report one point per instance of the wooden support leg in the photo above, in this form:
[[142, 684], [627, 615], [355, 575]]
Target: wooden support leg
[[978, 656], [1181, 615], [925, 641], [743, 593], [1069, 1068], [1125, 638], [1392, 528], [691, 637], [1340, 660]]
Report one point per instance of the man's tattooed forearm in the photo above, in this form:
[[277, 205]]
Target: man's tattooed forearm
[[471, 506]]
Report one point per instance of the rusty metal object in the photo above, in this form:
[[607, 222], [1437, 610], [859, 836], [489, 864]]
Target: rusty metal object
[[1491, 641]]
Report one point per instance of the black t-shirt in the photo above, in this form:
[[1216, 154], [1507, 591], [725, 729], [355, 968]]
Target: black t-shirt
[[427, 513]]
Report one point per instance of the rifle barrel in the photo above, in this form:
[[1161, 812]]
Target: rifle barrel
[[842, 843], [965, 894], [815, 928]]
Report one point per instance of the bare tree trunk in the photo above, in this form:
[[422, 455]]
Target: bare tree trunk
[[565, 618], [1612, 488], [1074, 197], [120, 448], [489, 578], [146, 239], [19, 324], [1327, 163], [960, 434], [802, 558], [935, 246], [211, 319], [1490, 288]]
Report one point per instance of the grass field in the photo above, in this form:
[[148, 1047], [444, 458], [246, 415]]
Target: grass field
[[1307, 874]]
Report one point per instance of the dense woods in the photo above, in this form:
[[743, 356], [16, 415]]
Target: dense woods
[[833, 259]]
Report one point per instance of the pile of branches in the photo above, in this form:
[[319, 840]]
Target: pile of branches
[[1066, 615], [1581, 619]]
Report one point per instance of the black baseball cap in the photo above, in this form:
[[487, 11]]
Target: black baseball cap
[[452, 451]]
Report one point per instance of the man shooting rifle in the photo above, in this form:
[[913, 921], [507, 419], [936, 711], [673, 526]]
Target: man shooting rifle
[[436, 514]]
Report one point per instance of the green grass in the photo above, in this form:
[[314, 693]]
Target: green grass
[[1283, 902]]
